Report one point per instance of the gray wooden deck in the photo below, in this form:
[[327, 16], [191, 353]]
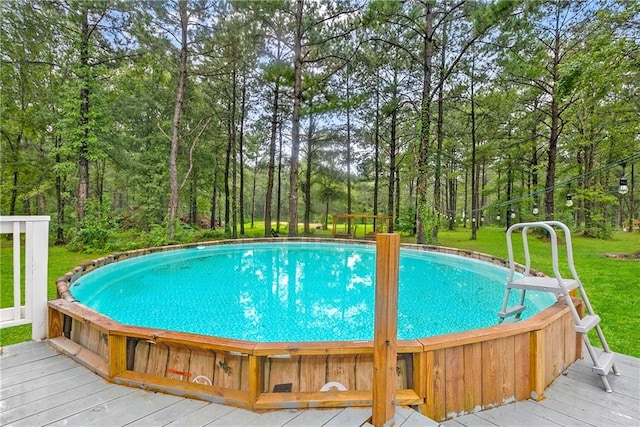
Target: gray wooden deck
[[575, 398], [40, 387]]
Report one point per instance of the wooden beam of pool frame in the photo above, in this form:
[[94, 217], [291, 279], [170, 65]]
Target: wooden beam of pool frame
[[444, 375], [386, 329]]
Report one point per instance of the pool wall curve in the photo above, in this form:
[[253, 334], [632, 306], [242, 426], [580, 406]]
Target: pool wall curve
[[443, 376]]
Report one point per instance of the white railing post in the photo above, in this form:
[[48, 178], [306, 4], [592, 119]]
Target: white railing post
[[36, 230]]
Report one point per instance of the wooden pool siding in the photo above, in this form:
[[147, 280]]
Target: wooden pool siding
[[39, 386], [443, 376]]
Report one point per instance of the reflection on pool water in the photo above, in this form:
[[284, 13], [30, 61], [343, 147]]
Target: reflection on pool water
[[294, 291]]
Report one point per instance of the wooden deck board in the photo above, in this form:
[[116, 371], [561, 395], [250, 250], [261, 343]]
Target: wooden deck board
[[41, 387], [352, 417], [575, 398], [61, 406], [121, 410], [472, 420], [234, 417], [202, 415], [33, 395], [551, 417], [512, 416], [46, 381], [313, 416], [28, 354], [169, 413], [407, 417], [35, 369], [273, 418]]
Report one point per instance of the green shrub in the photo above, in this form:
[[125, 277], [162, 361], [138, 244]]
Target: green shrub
[[95, 231]]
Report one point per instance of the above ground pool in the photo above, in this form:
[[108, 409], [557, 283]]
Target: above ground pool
[[279, 323], [295, 291]]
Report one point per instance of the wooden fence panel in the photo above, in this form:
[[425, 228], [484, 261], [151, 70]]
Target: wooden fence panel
[[313, 372], [341, 369], [157, 362], [491, 378], [364, 372], [522, 366], [472, 377], [201, 366], [454, 378]]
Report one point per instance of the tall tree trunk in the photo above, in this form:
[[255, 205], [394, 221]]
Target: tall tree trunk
[[632, 207], [376, 151], [452, 190], [348, 142], [193, 199], [227, 173], [307, 185], [234, 157], [253, 197], [326, 214], [272, 160], [14, 193], [295, 123], [243, 108], [474, 167], [534, 166], [552, 154], [60, 190], [174, 195], [509, 193], [465, 212], [555, 121], [83, 152], [588, 183], [214, 196], [279, 189], [101, 166], [397, 195], [439, 135], [482, 191], [392, 158], [425, 124]]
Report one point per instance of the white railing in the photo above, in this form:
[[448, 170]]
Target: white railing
[[34, 311]]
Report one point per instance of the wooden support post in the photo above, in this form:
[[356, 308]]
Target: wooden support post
[[419, 378], [255, 379], [537, 373], [386, 329], [117, 354], [56, 321]]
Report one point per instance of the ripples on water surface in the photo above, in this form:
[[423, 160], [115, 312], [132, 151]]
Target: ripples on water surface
[[295, 292]]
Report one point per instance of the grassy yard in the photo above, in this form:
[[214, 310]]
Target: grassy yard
[[613, 284]]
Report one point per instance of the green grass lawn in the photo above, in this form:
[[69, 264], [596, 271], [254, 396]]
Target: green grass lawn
[[613, 284], [61, 261]]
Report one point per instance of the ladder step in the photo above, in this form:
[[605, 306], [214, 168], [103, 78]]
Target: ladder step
[[605, 362], [587, 323], [516, 309], [543, 284]]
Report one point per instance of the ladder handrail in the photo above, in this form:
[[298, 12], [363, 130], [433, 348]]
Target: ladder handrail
[[602, 364], [547, 225]]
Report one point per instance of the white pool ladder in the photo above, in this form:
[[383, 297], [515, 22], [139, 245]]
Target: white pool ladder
[[603, 363]]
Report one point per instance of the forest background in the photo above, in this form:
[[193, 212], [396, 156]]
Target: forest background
[[169, 119]]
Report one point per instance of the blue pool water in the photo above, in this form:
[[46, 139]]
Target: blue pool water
[[295, 292]]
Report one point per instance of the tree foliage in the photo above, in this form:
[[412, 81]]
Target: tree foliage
[[165, 116]]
